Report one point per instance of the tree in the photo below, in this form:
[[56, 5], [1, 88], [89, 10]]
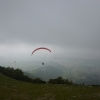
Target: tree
[[39, 81]]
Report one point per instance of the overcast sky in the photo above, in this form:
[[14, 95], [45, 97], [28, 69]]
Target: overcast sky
[[69, 28]]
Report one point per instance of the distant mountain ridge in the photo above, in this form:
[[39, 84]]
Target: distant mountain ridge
[[78, 74]]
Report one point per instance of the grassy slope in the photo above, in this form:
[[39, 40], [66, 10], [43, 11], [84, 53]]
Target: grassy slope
[[16, 90]]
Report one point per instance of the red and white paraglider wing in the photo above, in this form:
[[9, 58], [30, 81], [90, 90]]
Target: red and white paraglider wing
[[41, 48]]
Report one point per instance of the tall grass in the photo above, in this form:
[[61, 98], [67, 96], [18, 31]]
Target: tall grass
[[11, 89]]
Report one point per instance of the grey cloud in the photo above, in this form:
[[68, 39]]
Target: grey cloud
[[72, 25]]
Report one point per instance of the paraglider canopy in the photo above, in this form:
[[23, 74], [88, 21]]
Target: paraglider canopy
[[41, 48]]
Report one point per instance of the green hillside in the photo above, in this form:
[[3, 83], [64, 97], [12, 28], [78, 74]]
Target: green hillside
[[11, 89]]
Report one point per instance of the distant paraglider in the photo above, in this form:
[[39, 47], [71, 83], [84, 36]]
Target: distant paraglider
[[15, 62], [41, 48], [42, 63]]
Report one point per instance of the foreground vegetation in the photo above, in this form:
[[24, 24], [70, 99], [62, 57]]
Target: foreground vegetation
[[11, 89]]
